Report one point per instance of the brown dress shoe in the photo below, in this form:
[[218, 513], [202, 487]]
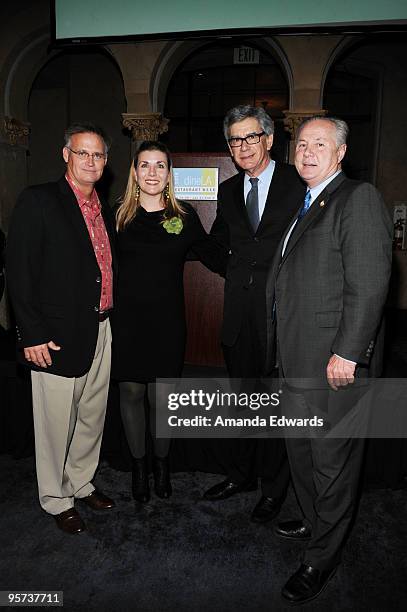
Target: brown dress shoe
[[97, 501], [70, 521]]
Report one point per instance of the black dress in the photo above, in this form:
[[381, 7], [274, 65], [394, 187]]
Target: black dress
[[149, 329]]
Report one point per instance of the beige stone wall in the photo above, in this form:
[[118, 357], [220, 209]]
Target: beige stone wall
[[137, 62], [308, 57]]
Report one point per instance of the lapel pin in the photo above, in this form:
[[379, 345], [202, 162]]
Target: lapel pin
[[322, 203]]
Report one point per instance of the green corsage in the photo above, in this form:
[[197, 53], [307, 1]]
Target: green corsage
[[173, 225]]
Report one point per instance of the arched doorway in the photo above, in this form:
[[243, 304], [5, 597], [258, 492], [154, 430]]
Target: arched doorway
[[353, 93], [77, 85], [215, 78], [366, 86]]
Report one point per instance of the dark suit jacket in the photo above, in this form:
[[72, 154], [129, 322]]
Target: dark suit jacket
[[53, 278], [250, 254], [330, 287]]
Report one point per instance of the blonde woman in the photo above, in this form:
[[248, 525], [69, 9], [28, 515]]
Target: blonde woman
[[155, 233]]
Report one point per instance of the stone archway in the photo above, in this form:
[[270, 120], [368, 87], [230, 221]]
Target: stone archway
[[22, 63], [174, 53], [194, 83], [25, 63], [77, 84], [339, 50], [170, 58], [365, 84]]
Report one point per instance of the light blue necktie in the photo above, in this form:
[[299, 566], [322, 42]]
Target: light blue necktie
[[305, 206]]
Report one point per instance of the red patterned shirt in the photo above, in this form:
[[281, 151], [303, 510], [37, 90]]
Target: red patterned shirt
[[91, 211]]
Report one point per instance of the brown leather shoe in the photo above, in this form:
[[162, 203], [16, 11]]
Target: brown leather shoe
[[97, 501], [70, 521]]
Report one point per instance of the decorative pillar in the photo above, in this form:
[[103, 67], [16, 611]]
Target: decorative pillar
[[16, 131], [145, 126], [14, 143], [292, 121]]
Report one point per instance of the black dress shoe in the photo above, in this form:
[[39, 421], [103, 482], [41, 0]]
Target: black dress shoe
[[227, 488], [98, 501], [306, 584], [70, 521], [139, 480], [162, 483], [266, 509], [293, 530]]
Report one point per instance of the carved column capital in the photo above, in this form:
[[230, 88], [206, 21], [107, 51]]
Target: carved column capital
[[145, 126], [16, 131], [294, 118]]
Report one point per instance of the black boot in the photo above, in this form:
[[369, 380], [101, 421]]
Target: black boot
[[162, 484], [139, 480]]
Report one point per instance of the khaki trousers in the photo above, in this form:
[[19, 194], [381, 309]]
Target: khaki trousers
[[69, 415]]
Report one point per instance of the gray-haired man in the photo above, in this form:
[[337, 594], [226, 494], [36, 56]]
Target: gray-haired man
[[254, 208], [326, 294]]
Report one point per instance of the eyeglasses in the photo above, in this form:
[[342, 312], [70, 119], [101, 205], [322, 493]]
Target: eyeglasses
[[250, 139], [84, 155]]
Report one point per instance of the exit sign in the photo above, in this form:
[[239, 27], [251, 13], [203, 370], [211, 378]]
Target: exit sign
[[245, 55]]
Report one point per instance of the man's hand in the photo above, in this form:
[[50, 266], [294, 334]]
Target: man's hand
[[39, 354], [340, 372]]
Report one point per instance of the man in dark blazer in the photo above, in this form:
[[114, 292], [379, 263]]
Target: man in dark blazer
[[59, 267], [253, 210], [326, 294]]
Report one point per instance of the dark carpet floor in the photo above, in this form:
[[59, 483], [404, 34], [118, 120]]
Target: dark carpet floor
[[186, 554]]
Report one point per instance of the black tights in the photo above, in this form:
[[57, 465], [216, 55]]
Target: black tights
[[132, 409]]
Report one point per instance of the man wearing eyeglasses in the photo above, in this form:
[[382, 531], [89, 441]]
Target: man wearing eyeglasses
[[59, 268], [254, 208]]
